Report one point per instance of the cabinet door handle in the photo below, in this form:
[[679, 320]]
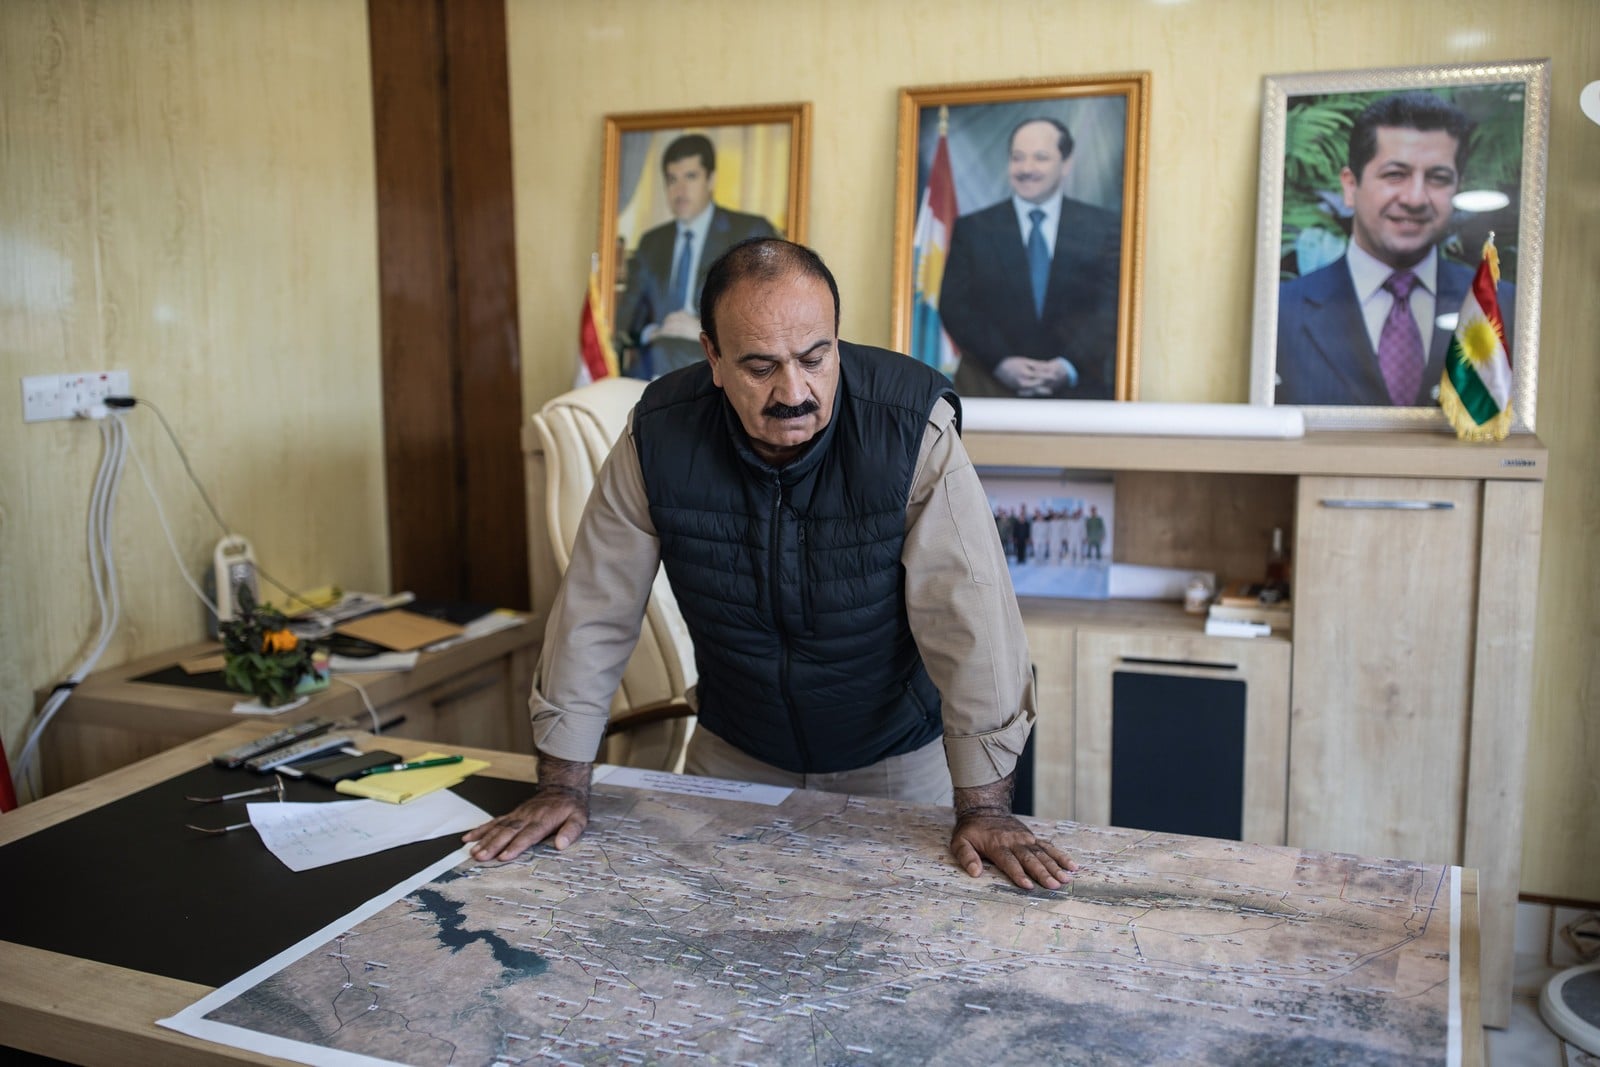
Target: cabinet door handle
[[1388, 505], [1193, 664]]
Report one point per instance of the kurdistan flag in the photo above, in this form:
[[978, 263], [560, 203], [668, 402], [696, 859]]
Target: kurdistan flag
[[930, 243], [1475, 391]]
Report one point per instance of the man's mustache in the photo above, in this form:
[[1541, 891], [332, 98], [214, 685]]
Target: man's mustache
[[776, 410]]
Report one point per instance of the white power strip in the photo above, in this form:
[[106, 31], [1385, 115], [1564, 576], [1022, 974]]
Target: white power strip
[[70, 396]]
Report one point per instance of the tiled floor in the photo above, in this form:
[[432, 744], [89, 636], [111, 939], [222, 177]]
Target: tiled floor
[[1541, 953]]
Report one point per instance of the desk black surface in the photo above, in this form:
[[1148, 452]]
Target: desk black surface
[[129, 884]]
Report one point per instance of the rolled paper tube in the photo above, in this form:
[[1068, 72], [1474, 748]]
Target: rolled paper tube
[[1006, 415]]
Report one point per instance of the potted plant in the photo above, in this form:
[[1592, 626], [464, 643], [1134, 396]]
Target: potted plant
[[263, 657]]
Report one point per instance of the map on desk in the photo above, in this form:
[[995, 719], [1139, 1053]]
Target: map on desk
[[834, 929]]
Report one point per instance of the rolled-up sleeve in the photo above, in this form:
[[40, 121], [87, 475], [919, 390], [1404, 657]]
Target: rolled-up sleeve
[[595, 620], [964, 612]]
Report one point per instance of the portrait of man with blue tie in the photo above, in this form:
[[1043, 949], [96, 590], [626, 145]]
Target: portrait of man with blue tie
[[1372, 327], [658, 318], [1030, 290]]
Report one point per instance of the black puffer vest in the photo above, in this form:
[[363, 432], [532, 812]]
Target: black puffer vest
[[789, 577]]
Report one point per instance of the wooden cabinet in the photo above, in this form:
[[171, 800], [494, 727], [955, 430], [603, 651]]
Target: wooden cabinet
[[475, 693], [1413, 649], [1385, 584], [1258, 667], [1401, 727]]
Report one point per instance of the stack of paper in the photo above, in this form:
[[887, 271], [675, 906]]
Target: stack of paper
[[484, 625], [397, 787], [1236, 628]]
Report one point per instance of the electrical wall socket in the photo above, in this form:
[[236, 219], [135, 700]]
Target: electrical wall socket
[[70, 396]]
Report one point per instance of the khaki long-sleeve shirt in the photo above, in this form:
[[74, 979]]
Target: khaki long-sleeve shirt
[[959, 601]]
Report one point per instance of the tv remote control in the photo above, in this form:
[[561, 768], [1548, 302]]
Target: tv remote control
[[299, 750], [299, 731]]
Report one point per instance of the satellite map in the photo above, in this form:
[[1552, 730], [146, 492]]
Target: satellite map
[[833, 929]]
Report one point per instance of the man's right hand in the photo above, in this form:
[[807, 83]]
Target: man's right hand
[[559, 806]]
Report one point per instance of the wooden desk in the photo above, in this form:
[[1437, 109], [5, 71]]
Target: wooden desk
[[475, 693], [90, 1013], [86, 1012]]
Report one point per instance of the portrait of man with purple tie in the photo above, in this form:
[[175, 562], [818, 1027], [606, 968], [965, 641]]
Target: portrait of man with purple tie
[[1029, 296], [658, 318], [1371, 328]]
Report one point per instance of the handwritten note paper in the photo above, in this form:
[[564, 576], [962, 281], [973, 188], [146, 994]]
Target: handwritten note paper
[[304, 836]]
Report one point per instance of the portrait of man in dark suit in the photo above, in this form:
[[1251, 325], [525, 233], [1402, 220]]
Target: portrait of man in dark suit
[[1372, 327], [1030, 289], [657, 320]]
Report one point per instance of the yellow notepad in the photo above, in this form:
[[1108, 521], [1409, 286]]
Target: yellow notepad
[[397, 787]]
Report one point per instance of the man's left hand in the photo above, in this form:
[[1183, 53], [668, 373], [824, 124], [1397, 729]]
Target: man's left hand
[[1005, 842]]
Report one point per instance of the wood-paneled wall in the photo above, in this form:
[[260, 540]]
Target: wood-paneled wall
[[188, 196], [573, 63]]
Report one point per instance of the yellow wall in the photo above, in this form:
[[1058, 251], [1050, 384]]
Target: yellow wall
[[187, 195], [573, 63]]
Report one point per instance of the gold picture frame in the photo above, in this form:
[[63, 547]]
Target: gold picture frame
[[1308, 348], [758, 183], [962, 271]]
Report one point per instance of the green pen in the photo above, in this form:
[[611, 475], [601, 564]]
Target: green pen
[[413, 765]]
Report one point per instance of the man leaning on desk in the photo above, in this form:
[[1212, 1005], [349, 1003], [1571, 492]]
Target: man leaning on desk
[[833, 554]]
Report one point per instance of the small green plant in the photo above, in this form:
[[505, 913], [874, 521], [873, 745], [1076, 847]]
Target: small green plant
[[262, 655]]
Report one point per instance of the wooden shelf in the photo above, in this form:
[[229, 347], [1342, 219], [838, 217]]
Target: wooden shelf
[[1348, 452], [1164, 615]]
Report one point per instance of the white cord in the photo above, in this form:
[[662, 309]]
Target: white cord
[[177, 445], [376, 728], [103, 574], [161, 517]]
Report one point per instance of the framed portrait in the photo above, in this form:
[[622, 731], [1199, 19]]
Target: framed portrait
[[679, 188], [1379, 190], [1019, 235]]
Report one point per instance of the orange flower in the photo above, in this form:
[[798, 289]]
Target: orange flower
[[278, 641]]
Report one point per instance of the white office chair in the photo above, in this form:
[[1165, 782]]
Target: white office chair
[[563, 446]]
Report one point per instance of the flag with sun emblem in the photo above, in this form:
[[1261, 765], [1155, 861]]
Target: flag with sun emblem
[[929, 245], [1475, 391]]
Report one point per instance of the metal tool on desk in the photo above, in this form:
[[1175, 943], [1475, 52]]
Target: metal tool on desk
[[276, 787]]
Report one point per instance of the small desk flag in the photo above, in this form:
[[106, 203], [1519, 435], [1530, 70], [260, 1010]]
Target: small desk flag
[[1475, 391]]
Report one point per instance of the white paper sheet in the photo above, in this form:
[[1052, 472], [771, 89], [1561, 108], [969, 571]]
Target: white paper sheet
[[304, 836], [691, 785]]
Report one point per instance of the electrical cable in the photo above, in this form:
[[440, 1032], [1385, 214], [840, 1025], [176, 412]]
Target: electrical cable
[[376, 727], [129, 402], [161, 517], [184, 456], [103, 574]]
